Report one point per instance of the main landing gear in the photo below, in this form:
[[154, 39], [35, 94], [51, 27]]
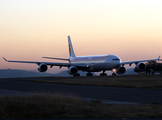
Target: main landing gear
[[89, 74], [103, 74]]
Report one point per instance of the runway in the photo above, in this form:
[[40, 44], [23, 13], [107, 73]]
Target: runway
[[116, 95]]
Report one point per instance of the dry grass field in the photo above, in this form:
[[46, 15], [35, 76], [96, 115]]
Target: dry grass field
[[49, 105], [135, 81], [68, 106]]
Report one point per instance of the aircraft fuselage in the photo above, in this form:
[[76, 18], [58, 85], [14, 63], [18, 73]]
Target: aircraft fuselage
[[97, 63]]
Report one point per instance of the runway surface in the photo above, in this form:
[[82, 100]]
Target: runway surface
[[117, 95]]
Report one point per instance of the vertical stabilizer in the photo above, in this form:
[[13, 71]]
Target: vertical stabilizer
[[71, 51]]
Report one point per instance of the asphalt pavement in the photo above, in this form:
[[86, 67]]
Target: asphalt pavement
[[116, 95]]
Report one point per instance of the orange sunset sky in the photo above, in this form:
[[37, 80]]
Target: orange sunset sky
[[31, 29]]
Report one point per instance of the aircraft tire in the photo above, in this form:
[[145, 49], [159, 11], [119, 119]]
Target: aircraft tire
[[89, 74], [103, 74], [113, 74]]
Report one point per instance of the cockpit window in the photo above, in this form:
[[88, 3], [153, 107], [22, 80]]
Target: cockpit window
[[115, 59]]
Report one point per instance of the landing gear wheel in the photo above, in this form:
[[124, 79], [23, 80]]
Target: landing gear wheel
[[113, 73], [89, 74], [103, 74], [151, 71], [76, 75]]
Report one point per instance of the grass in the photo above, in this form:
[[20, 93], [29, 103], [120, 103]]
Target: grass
[[135, 81], [48, 105]]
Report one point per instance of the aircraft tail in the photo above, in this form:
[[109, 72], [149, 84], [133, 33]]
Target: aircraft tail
[[71, 51]]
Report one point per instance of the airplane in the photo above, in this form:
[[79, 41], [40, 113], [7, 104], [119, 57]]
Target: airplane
[[89, 64]]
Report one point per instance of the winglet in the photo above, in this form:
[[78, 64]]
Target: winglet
[[159, 57], [5, 59]]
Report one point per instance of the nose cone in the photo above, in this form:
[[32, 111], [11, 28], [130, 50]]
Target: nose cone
[[113, 59], [116, 60], [119, 60]]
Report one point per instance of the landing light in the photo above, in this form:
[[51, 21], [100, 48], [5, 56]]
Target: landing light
[[114, 70]]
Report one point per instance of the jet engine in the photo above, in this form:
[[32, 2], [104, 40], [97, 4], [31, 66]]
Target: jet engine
[[42, 67], [139, 67], [72, 70], [121, 70]]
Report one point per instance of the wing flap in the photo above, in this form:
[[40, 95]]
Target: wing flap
[[47, 63]]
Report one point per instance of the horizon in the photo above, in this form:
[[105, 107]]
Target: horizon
[[15, 73], [34, 29]]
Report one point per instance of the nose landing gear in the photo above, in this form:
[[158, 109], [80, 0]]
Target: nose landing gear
[[114, 71]]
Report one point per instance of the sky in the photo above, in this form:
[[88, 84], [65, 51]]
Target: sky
[[32, 29]]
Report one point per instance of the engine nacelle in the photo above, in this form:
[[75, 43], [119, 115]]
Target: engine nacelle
[[139, 67], [42, 67], [121, 70], [72, 70]]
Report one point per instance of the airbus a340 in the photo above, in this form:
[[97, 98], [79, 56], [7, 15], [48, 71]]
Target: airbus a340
[[89, 64]]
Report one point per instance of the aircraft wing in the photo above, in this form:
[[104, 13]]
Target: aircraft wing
[[50, 63], [131, 62], [56, 58]]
